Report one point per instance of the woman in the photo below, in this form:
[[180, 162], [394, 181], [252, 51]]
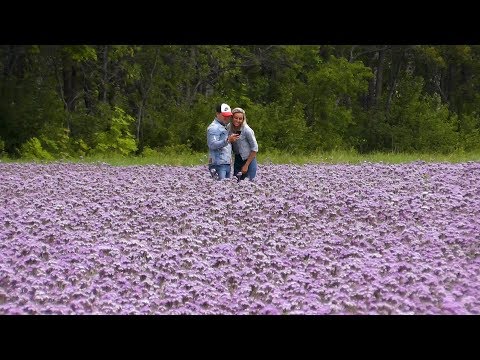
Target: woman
[[245, 148]]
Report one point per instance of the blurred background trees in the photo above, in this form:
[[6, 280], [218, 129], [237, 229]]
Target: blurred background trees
[[79, 100]]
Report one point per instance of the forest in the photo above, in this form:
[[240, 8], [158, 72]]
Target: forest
[[75, 101]]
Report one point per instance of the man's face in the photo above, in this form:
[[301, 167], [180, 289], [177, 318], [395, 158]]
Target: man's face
[[224, 119]]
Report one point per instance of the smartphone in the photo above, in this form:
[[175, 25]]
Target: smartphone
[[238, 132]]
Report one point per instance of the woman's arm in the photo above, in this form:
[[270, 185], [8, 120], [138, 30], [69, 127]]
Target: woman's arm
[[253, 150], [250, 158]]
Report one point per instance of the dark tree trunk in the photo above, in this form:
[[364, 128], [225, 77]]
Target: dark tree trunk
[[105, 74], [379, 80], [9, 61], [394, 78], [14, 63], [368, 99], [69, 73]]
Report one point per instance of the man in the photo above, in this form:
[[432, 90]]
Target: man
[[220, 144]]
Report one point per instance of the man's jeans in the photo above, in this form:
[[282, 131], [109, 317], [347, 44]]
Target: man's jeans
[[223, 170]]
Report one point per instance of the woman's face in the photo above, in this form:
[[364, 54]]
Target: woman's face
[[237, 119]]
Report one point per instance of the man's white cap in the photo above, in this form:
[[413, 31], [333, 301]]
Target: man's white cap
[[225, 110]]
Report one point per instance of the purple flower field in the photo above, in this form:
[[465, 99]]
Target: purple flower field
[[311, 239]]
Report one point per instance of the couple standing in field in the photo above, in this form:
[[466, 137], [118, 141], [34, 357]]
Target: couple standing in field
[[229, 131]]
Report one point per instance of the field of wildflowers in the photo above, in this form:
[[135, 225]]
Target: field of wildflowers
[[371, 238]]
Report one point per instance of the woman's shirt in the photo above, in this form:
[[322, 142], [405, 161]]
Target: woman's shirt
[[246, 143]]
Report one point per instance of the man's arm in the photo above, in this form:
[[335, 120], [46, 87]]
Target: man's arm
[[214, 142]]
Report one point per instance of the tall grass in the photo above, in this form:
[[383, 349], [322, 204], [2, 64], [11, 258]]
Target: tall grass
[[273, 157], [173, 159], [352, 157]]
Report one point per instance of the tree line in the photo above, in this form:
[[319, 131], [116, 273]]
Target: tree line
[[67, 101]]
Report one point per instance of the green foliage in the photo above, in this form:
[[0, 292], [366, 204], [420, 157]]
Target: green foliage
[[185, 126], [155, 131], [80, 53], [117, 137], [278, 126], [469, 133], [421, 122], [372, 132], [332, 88], [283, 157], [177, 149], [80, 148], [148, 152], [26, 107], [431, 56], [261, 120], [59, 147], [33, 150], [2, 148]]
